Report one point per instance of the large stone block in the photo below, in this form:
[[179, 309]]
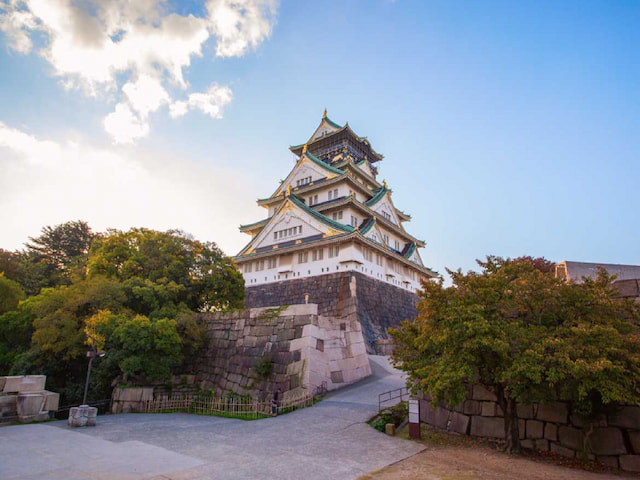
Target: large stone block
[[571, 438], [3, 380], [29, 404], [491, 409], [525, 411], [630, 463], [24, 383], [489, 427], [560, 450], [471, 407], [556, 412], [551, 432], [634, 440], [51, 401], [625, 417], [535, 429], [459, 423], [480, 392], [607, 441]]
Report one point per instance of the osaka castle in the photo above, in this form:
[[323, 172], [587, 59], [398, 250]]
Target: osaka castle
[[329, 225]]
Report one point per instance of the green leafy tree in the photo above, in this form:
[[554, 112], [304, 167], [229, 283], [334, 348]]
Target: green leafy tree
[[525, 335], [162, 268], [10, 294], [57, 256], [140, 348]]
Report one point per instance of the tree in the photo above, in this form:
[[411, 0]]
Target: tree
[[10, 294], [162, 268], [56, 256], [139, 348], [525, 335]]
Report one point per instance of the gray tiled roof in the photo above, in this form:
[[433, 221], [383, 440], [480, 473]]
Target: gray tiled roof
[[578, 270]]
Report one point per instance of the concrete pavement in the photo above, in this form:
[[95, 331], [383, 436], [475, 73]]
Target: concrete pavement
[[328, 440]]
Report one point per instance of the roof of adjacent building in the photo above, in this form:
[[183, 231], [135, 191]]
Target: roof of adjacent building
[[576, 271]]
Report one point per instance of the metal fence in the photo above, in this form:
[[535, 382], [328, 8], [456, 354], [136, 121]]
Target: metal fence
[[103, 406], [240, 407], [398, 394]]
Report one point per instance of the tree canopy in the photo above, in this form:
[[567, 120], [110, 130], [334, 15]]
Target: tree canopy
[[524, 334], [138, 291]]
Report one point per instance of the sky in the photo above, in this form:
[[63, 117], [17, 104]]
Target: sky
[[508, 128]]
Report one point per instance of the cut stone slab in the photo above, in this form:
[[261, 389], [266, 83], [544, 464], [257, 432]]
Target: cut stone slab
[[607, 441], [491, 427], [631, 463], [29, 405], [24, 383], [553, 412], [625, 417]]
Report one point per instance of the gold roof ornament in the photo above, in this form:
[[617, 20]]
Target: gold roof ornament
[[344, 149], [304, 149], [287, 193], [324, 115], [384, 183]]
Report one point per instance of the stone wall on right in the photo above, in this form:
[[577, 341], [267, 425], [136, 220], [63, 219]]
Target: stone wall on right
[[614, 439]]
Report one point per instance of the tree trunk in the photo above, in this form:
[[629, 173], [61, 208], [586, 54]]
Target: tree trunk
[[511, 431]]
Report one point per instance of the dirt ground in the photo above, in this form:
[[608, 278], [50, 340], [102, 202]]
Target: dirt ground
[[450, 457]]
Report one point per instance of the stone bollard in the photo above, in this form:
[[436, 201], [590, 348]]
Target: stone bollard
[[390, 429], [83, 416]]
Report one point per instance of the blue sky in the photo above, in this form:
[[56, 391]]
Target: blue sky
[[508, 128]]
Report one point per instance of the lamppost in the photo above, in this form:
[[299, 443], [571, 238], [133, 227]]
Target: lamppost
[[91, 354]]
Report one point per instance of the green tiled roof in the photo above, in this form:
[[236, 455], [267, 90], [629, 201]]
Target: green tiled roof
[[368, 226], [254, 224], [410, 250], [331, 122], [380, 193], [323, 165], [323, 218]]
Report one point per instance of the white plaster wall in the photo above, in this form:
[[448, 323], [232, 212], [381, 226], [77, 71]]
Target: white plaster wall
[[350, 258]]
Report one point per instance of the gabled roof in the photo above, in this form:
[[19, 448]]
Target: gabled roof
[[323, 218], [336, 130], [379, 195], [291, 200], [322, 164]]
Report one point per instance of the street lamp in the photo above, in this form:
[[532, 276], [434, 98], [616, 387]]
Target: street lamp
[[91, 354]]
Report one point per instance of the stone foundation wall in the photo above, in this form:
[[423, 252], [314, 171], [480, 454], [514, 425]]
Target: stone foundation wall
[[614, 439], [306, 350], [378, 304]]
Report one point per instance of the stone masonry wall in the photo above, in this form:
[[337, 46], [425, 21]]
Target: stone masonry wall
[[614, 439], [378, 304], [306, 350]]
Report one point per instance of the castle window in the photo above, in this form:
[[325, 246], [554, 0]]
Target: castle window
[[397, 243], [386, 239], [368, 255], [272, 262], [248, 267], [259, 265], [303, 181], [334, 251], [354, 221], [317, 254], [379, 259], [386, 215], [337, 215], [303, 257]]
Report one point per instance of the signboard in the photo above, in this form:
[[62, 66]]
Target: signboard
[[414, 418]]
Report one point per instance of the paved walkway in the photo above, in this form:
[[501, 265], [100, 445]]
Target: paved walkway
[[327, 441]]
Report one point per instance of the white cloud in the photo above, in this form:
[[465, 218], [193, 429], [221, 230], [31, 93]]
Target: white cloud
[[240, 24], [124, 126], [210, 102], [47, 183], [93, 44]]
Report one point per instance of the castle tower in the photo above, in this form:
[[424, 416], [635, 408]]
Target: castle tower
[[333, 235]]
